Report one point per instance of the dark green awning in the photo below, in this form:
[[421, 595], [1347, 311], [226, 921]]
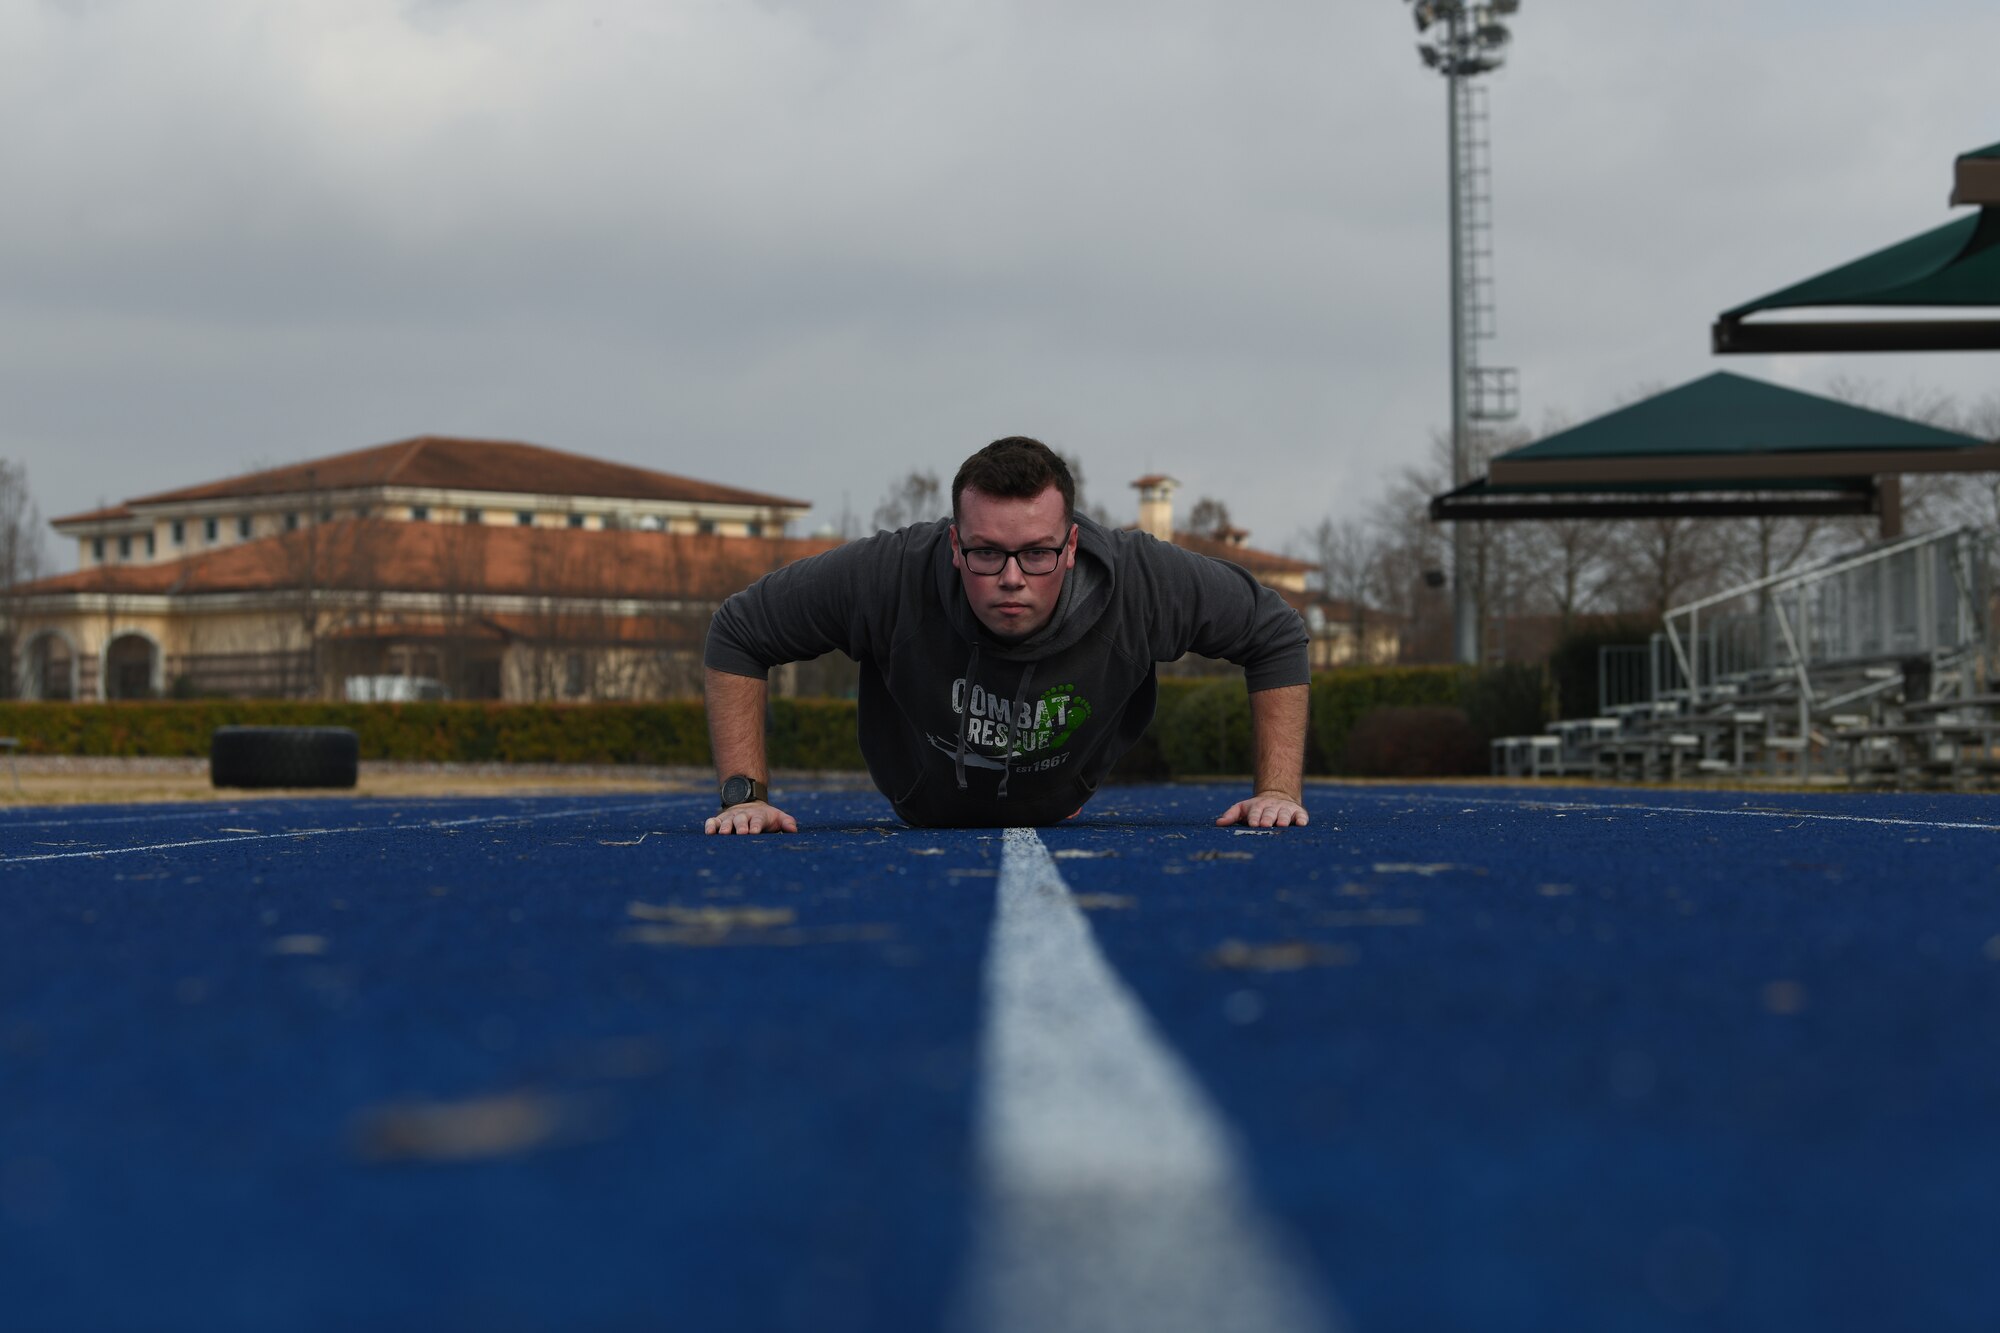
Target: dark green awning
[[1730, 428], [1953, 266], [1724, 446], [1957, 264]]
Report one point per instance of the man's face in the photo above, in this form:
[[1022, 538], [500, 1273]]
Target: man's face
[[1012, 603]]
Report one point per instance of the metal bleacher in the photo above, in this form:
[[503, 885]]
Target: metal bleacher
[[1873, 668]]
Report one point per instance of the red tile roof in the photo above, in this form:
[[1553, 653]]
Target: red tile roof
[[475, 559], [437, 461], [95, 516], [1252, 559]]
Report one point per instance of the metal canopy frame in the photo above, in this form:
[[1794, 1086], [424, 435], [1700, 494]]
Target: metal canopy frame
[[1481, 501], [1732, 337], [1705, 471]]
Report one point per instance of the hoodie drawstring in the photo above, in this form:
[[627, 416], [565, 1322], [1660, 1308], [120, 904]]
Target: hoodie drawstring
[[965, 712], [1014, 730], [1019, 710]]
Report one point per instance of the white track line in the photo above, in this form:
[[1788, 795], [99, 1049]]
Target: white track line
[[1630, 808], [515, 818], [212, 810], [1112, 1194]]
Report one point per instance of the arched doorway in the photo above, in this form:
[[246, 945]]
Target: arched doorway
[[131, 667], [49, 667]]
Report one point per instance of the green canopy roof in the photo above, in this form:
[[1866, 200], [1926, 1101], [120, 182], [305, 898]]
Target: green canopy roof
[[1953, 266], [1957, 264], [1726, 427], [1722, 446]]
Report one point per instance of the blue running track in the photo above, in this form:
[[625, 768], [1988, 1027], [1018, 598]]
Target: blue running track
[[1469, 1058]]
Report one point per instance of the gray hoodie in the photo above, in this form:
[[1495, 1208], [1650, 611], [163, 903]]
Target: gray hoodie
[[960, 728]]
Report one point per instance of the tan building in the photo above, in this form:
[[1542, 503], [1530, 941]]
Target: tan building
[[502, 570], [1343, 634]]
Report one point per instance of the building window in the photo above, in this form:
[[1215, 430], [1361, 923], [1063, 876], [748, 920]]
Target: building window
[[576, 520], [573, 672], [124, 548], [475, 516], [753, 529], [151, 549], [292, 520], [243, 527], [97, 548], [180, 532], [209, 528], [326, 516], [420, 513], [706, 527], [524, 518]]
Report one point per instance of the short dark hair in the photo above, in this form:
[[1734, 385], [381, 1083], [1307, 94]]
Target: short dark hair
[[1016, 468]]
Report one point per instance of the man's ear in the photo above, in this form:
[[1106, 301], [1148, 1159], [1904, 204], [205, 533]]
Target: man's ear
[[957, 561], [1069, 547]]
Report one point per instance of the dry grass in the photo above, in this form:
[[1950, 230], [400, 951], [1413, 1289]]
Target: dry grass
[[113, 781]]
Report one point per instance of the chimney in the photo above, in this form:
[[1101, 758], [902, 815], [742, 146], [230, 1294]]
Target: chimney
[[1156, 506]]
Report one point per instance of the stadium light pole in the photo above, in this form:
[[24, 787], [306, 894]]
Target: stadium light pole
[[1460, 41]]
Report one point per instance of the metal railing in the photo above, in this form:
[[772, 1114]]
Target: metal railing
[[1918, 603], [1634, 673]]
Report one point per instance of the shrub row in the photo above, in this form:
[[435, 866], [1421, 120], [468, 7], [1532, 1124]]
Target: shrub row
[[805, 733], [1365, 721], [1202, 726]]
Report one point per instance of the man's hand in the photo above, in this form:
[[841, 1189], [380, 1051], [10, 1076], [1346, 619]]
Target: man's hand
[[751, 817], [1267, 809]]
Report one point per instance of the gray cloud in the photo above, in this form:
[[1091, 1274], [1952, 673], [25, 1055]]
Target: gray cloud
[[807, 246]]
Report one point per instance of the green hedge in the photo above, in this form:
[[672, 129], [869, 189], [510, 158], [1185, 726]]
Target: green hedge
[[1573, 663], [1205, 729], [1202, 725], [1343, 697], [674, 732]]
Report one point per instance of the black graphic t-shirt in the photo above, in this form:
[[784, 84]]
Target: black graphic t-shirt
[[960, 728]]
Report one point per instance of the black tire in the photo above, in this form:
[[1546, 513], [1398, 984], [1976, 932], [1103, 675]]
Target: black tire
[[284, 757]]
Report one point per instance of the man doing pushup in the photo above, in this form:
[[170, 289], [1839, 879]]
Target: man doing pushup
[[1007, 655]]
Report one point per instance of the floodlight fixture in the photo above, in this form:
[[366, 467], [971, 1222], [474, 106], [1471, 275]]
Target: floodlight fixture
[[1473, 39]]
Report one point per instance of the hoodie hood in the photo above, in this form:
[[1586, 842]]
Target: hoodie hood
[[1086, 593]]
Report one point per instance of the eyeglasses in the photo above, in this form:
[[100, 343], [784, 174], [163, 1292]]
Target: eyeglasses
[[1032, 559]]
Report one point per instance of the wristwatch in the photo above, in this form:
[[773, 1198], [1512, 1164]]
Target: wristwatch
[[740, 790]]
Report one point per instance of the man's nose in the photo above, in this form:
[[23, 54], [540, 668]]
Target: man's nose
[[1011, 573]]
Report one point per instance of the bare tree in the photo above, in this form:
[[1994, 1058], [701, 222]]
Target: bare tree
[[1417, 553], [1413, 560], [917, 498], [1208, 518], [458, 557], [22, 560], [1095, 512], [1348, 558], [1569, 561], [1662, 562]]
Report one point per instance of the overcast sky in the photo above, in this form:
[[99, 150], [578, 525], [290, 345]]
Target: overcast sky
[[805, 246]]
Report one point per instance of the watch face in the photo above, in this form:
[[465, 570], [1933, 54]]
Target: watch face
[[736, 791]]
